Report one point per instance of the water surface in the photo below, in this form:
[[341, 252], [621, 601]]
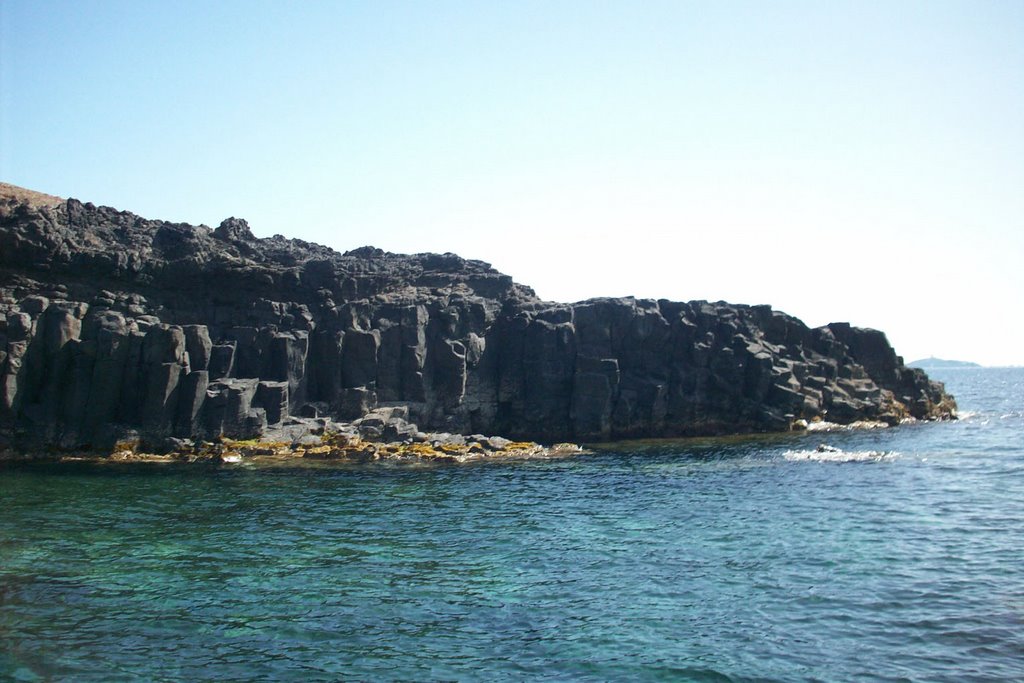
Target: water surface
[[897, 558]]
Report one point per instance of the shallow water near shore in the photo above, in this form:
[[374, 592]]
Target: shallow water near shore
[[893, 554]]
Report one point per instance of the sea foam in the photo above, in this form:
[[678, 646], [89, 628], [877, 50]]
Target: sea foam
[[825, 453]]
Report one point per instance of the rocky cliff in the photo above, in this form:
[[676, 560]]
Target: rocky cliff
[[112, 324]]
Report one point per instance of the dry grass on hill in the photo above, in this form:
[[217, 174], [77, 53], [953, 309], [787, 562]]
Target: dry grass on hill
[[29, 196]]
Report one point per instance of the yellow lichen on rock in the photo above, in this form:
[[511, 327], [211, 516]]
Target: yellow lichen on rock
[[318, 451], [124, 449], [418, 450], [343, 447], [339, 440], [266, 448]]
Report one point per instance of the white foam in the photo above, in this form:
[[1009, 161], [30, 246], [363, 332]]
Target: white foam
[[825, 426], [824, 453]]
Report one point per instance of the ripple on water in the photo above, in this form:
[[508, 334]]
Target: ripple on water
[[699, 560]]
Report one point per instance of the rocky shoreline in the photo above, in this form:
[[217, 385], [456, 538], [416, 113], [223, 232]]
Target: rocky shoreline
[[383, 434], [331, 449], [115, 328]]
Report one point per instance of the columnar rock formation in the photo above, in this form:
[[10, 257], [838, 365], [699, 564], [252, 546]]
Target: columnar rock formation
[[112, 324]]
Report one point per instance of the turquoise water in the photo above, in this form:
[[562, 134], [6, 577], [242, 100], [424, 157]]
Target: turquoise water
[[897, 558]]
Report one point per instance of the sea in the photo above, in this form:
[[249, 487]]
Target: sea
[[869, 555]]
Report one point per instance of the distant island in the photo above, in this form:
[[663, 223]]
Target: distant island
[[933, 362]]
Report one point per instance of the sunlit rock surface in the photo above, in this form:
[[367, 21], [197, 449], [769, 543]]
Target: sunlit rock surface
[[113, 326]]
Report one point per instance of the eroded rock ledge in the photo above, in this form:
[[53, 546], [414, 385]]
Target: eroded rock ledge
[[115, 327]]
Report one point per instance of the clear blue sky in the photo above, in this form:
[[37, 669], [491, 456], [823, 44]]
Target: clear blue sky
[[841, 161]]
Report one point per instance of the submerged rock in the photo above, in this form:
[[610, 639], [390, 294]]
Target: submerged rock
[[111, 324]]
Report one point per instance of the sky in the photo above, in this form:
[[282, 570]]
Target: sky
[[858, 162]]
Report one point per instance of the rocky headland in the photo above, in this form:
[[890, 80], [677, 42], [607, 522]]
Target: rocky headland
[[121, 334]]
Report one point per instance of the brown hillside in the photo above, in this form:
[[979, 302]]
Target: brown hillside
[[38, 199]]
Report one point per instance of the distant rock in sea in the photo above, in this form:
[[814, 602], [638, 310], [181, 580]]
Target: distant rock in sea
[[933, 362], [119, 329]]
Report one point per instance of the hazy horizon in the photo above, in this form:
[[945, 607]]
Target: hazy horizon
[[855, 162]]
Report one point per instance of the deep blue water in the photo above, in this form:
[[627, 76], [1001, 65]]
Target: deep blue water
[[900, 558]]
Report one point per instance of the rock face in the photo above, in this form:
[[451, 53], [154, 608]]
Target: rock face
[[114, 325]]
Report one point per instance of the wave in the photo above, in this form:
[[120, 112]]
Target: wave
[[825, 426], [985, 416], [826, 453]]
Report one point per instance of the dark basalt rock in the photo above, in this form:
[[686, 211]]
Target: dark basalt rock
[[111, 324]]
